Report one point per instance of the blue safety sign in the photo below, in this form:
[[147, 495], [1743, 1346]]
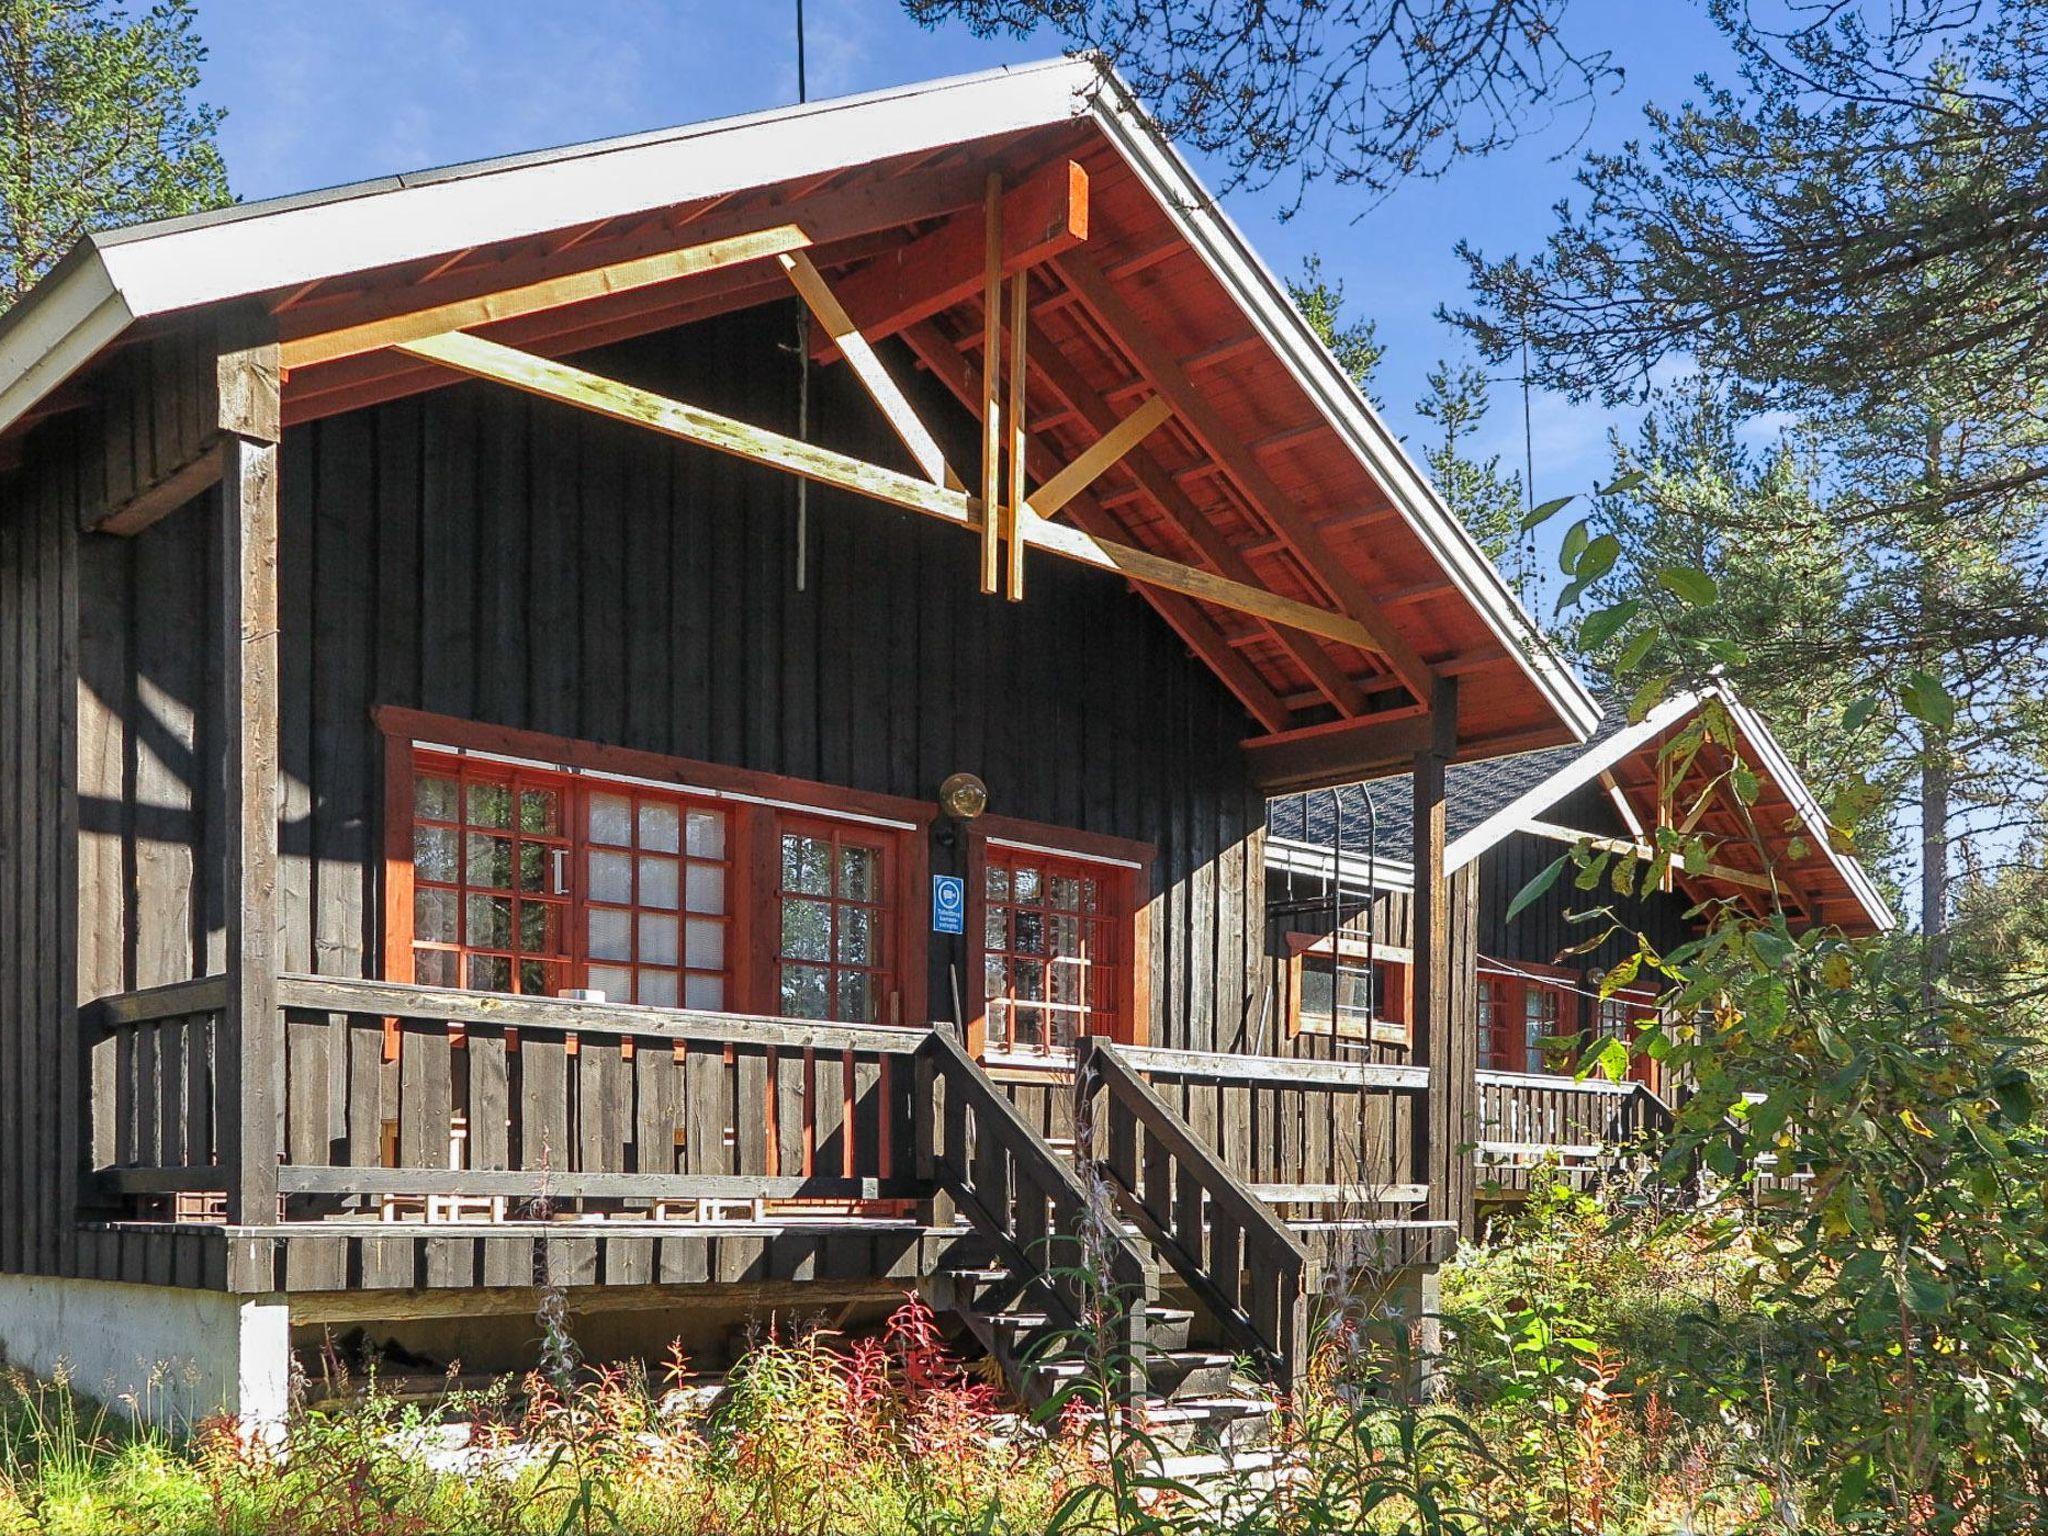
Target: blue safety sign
[[949, 904]]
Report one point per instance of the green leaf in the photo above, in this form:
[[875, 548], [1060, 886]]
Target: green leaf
[[1689, 585], [1531, 893], [1544, 511], [1609, 1059], [1926, 700], [1638, 649], [1744, 783], [1624, 483], [1926, 1295], [1573, 545], [1857, 715], [1596, 629], [1598, 559]]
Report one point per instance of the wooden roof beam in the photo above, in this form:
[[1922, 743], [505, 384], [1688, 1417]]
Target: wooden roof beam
[[944, 361], [479, 358], [1043, 215], [1066, 382], [549, 293], [1165, 374]]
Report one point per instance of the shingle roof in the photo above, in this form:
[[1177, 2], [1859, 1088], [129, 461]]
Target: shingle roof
[[1472, 792]]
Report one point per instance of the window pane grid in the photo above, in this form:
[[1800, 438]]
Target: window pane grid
[[489, 913], [831, 951], [657, 920], [1048, 956]]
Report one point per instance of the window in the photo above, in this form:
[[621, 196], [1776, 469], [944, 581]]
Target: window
[[1049, 949], [1058, 929], [515, 862], [655, 911], [1338, 990], [490, 901], [1496, 1034], [1542, 1016], [832, 957]]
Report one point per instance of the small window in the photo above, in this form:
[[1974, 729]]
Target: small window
[[1350, 989], [832, 956], [1049, 949], [491, 899], [1543, 1014], [1496, 1033]]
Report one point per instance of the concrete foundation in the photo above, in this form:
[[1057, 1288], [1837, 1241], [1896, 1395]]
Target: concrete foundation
[[161, 1354]]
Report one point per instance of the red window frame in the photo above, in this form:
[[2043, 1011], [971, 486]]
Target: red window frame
[[848, 911], [1124, 868], [1027, 898], [757, 804], [682, 976], [468, 897]]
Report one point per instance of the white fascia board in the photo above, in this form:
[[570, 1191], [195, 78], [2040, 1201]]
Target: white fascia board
[[78, 313], [1202, 222], [1582, 769], [1286, 855], [343, 233], [128, 275]]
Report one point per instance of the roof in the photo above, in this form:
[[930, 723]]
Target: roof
[[1485, 802], [1274, 471]]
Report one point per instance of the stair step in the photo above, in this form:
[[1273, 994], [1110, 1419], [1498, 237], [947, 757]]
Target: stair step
[[1187, 1469], [1201, 1424]]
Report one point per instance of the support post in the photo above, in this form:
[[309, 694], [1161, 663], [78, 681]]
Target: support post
[[250, 1048], [992, 386], [1442, 1130]]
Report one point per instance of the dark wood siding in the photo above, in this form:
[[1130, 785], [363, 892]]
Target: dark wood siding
[[1542, 931], [477, 554], [41, 1104]]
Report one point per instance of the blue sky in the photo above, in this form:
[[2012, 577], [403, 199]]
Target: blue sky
[[320, 93]]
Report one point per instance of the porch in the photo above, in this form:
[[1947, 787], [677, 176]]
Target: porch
[[429, 1139]]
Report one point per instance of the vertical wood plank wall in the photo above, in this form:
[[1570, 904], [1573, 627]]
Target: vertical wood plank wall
[[41, 1099]]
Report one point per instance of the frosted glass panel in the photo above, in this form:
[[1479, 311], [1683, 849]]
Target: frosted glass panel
[[707, 888], [703, 992], [611, 936], [707, 834], [611, 877], [614, 981], [611, 819], [658, 883], [657, 989], [657, 939], [706, 946], [660, 827]]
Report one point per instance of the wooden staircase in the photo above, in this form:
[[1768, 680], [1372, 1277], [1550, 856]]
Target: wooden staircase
[[1055, 1329]]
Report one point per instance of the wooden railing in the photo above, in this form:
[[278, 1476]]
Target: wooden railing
[[1220, 1238], [1327, 1139], [1048, 1228], [152, 1063], [485, 1104], [1528, 1120]]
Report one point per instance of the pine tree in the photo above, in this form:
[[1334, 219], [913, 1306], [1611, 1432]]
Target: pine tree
[[1488, 501], [97, 127], [1354, 343]]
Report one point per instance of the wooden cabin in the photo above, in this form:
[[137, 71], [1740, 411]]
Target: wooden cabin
[[623, 718], [1340, 903]]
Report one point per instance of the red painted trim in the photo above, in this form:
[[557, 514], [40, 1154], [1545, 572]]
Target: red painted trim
[[1128, 882], [685, 773]]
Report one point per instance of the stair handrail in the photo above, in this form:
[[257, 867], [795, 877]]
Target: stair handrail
[[945, 1163], [1272, 1329]]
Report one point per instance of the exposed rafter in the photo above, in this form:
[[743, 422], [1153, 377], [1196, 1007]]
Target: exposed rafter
[[557, 381], [944, 360], [1040, 217], [1304, 541]]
